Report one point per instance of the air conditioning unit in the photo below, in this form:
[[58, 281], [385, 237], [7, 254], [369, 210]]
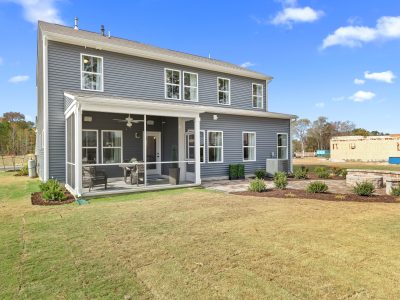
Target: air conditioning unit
[[274, 165]]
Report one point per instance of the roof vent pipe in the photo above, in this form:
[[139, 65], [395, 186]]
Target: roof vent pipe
[[76, 24], [102, 30]]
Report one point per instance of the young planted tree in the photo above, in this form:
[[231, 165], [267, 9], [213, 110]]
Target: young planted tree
[[301, 128]]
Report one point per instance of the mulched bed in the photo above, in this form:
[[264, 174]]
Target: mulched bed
[[312, 176], [37, 199], [293, 193]]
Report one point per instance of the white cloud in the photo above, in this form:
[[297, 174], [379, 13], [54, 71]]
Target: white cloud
[[362, 96], [355, 36], [290, 15], [247, 64], [386, 76], [320, 104], [18, 78], [359, 81], [337, 99], [44, 10]]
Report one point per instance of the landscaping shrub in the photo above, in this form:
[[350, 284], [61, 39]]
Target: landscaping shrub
[[317, 187], [52, 190], [257, 185], [301, 173], [395, 191], [260, 174], [240, 171], [364, 189], [236, 171], [280, 180], [322, 172], [339, 172], [23, 171]]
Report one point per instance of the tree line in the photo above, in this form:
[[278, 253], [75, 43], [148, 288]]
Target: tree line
[[311, 136]]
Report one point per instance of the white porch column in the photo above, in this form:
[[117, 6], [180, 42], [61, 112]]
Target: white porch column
[[78, 149], [181, 147], [197, 148], [145, 149]]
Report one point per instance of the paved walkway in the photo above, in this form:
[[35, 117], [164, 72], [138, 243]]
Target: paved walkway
[[230, 186]]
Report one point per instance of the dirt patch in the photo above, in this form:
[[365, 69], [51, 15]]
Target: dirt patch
[[293, 193], [36, 199]]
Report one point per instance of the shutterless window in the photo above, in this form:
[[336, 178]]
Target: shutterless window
[[190, 145], [190, 86], [282, 146], [224, 91], [249, 146], [172, 84], [215, 146], [112, 146], [257, 95], [89, 146], [91, 73], [202, 145]]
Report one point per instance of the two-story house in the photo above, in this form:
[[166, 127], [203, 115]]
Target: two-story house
[[117, 116]]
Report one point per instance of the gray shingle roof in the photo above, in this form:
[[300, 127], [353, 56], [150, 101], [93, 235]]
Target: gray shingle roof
[[115, 41]]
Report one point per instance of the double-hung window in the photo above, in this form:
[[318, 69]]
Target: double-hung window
[[91, 73], [249, 146], [215, 146], [112, 146], [257, 95], [282, 146], [190, 145], [190, 86], [224, 91], [89, 146], [172, 84]]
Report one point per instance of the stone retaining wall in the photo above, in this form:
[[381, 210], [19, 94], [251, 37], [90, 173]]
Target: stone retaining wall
[[385, 174]]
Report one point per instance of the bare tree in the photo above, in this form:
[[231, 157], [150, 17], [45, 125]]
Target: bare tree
[[301, 128]]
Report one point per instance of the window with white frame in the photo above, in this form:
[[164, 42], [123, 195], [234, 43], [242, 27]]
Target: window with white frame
[[257, 95], [190, 145], [282, 146], [249, 146], [172, 84], [202, 145], [215, 146], [112, 146], [224, 91], [190, 86], [91, 73], [89, 146]]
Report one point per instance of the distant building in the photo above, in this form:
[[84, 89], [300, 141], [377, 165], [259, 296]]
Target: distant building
[[367, 149]]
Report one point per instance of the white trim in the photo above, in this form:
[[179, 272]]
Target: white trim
[[173, 84], [208, 146], [93, 73], [290, 156], [187, 146], [252, 95], [45, 110], [277, 145], [121, 147], [255, 146], [97, 145], [229, 91], [187, 61], [78, 147], [189, 86], [197, 150], [204, 146], [70, 109]]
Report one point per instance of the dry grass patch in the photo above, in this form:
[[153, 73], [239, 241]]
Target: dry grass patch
[[196, 243]]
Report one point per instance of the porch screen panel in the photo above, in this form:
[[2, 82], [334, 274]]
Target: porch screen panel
[[70, 143]]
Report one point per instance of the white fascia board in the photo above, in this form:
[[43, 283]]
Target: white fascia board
[[152, 55]]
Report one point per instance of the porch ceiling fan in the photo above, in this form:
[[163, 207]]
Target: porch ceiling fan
[[129, 121]]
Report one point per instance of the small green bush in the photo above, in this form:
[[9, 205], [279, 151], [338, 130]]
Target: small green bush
[[395, 191], [280, 180], [322, 172], [260, 174], [344, 173], [339, 172], [23, 171], [301, 173], [236, 171], [52, 190], [317, 187], [240, 171], [364, 189], [257, 185]]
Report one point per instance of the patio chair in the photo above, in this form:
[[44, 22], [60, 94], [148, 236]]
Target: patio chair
[[92, 177], [137, 174]]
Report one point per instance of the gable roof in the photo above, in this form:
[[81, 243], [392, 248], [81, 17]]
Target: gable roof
[[96, 40]]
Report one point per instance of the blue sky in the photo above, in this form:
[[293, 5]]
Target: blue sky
[[314, 49]]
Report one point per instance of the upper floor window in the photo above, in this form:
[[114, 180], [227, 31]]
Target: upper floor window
[[257, 95], [91, 73], [172, 84], [282, 146], [224, 91], [190, 86]]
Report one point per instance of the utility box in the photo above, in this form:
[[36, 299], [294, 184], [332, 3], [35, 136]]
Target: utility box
[[274, 165], [32, 168]]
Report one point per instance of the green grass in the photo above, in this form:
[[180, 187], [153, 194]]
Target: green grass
[[195, 243]]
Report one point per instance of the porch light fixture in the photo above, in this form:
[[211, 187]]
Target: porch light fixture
[[215, 117], [87, 119], [137, 135]]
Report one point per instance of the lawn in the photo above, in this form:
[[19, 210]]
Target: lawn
[[195, 243]]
